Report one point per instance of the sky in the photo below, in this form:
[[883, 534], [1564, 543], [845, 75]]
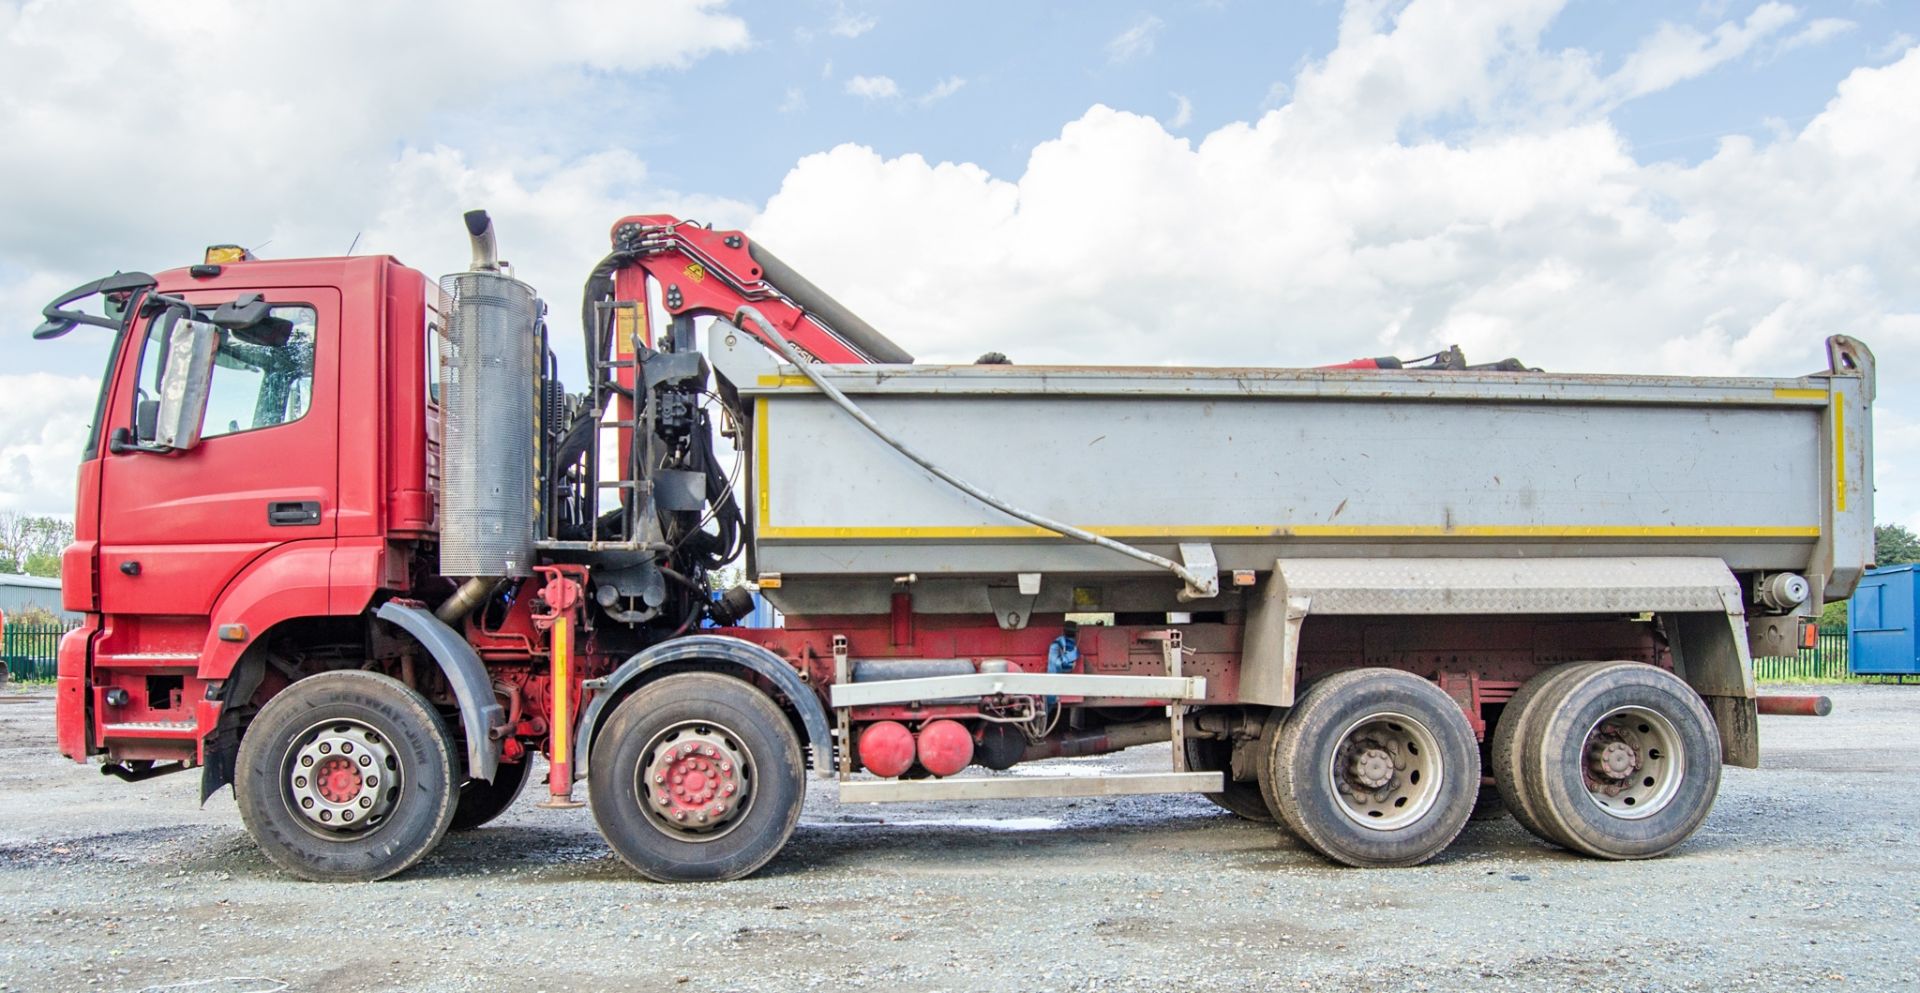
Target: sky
[[1651, 187]]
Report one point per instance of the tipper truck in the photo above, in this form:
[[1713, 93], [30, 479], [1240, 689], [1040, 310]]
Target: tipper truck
[[346, 542]]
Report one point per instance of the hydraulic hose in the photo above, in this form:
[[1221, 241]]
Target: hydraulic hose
[[1207, 585]]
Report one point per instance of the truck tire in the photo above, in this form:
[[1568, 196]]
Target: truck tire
[[481, 801], [346, 777], [696, 777], [1375, 768], [1505, 755], [1624, 762], [1241, 799]]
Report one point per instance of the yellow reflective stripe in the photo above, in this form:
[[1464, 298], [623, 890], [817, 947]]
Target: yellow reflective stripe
[[761, 477], [1784, 393], [1840, 451]]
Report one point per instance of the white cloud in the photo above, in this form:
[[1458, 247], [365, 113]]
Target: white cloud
[[1327, 229], [1675, 53], [873, 87], [41, 439], [1817, 32], [848, 24], [794, 101], [131, 144], [1900, 42], [1137, 40], [1182, 112], [942, 90]]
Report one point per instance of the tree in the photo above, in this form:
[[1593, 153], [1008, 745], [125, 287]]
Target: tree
[[32, 545], [1894, 544]]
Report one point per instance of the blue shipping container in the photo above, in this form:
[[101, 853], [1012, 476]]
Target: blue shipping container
[[1880, 628]]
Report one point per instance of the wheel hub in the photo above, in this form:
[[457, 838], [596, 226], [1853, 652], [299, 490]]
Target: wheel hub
[[343, 777], [1372, 765], [1610, 759], [1386, 771], [1634, 762], [696, 780]]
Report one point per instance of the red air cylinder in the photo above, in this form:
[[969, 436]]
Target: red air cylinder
[[886, 748], [946, 747]]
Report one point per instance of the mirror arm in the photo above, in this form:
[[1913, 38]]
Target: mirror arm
[[121, 442]]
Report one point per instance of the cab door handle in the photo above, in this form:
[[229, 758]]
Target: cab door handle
[[293, 513]]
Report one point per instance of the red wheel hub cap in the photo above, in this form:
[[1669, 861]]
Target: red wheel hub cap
[[337, 779], [695, 782]]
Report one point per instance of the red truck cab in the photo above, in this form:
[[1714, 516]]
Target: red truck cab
[[313, 459]]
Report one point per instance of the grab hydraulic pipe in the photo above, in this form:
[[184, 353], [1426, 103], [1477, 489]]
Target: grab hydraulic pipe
[[844, 323]]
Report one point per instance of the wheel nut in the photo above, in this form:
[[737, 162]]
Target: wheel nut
[[307, 802], [366, 760], [306, 760], [365, 802]]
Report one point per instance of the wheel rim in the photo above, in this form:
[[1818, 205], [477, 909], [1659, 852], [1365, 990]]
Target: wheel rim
[[695, 781], [1386, 771], [342, 779], [1633, 762]]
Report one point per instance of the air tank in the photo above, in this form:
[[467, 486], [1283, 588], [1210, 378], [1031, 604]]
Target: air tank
[[487, 376]]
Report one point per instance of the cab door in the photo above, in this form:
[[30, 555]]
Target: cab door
[[176, 528]]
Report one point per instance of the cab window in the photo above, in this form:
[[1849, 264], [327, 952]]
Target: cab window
[[253, 386]]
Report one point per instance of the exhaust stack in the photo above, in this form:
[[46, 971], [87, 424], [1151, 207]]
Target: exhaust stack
[[486, 253], [488, 372]]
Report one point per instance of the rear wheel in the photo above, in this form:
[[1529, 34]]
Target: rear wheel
[[1374, 767], [481, 801], [1624, 762], [346, 777], [1241, 798], [697, 777], [1509, 731]]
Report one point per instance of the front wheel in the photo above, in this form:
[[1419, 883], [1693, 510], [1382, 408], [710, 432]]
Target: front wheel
[[346, 777], [1374, 767], [696, 777]]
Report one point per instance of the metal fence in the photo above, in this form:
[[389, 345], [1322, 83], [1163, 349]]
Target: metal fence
[[1825, 662], [31, 651]]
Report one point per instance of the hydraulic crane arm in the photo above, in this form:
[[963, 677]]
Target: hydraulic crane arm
[[707, 273]]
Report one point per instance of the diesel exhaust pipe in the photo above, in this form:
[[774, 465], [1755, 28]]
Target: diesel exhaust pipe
[[486, 252], [487, 523]]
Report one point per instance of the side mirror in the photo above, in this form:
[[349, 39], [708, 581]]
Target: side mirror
[[146, 420], [251, 320], [184, 385]]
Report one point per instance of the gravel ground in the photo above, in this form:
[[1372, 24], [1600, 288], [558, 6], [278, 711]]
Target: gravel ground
[[1804, 877]]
